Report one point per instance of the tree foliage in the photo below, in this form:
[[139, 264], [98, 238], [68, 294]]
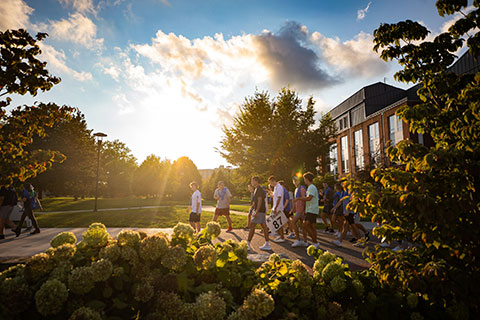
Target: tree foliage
[[433, 200], [276, 136], [183, 172], [151, 177], [119, 167]]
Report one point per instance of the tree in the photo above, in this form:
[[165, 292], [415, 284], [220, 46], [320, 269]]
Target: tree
[[183, 172], [276, 136], [20, 73], [151, 179], [76, 174], [118, 166], [433, 200]]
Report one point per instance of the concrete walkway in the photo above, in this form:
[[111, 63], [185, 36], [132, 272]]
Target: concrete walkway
[[13, 250]]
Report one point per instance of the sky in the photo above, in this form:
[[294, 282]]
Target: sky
[[165, 76]]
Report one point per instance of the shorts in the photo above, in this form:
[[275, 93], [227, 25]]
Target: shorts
[[5, 212], [311, 217], [328, 208], [222, 212], [194, 217], [339, 211], [300, 216], [350, 218], [287, 213], [258, 218]]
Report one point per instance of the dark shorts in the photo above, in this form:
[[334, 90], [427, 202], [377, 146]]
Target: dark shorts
[[328, 208], [194, 217], [288, 214], [339, 211], [258, 218], [222, 212], [350, 218], [311, 217]]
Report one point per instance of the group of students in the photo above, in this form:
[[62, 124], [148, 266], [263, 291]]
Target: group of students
[[9, 199]]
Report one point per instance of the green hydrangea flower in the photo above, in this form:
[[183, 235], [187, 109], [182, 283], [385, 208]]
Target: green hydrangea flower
[[371, 298], [143, 291], [61, 271], [16, 294], [213, 230], [51, 297], [359, 288], [183, 231], [205, 257], [210, 306], [81, 280], [63, 252], [95, 236], [274, 257], [332, 270], [39, 265], [175, 258], [168, 305], [63, 238], [128, 238], [153, 247], [241, 250], [338, 284], [84, 313], [259, 304], [412, 300], [111, 252], [322, 262], [130, 255], [102, 270]]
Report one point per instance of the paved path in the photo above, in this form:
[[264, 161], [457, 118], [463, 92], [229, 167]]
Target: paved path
[[17, 249]]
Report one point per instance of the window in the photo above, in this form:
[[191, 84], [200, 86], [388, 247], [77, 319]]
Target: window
[[358, 149], [395, 127], [333, 159], [374, 142], [344, 153], [343, 123]]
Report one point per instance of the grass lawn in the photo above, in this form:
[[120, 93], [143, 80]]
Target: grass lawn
[[142, 218]]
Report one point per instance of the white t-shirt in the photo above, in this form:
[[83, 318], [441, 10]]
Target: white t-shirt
[[196, 197], [278, 192]]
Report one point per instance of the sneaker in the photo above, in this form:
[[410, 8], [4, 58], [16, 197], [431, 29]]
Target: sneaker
[[297, 243], [291, 236], [331, 230], [338, 234], [316, 245], [385, 245], [17, 232], [305, 244], [265, 247], [337, 243], [229, 229], [397, 248], [349, 233], [353, 240], [28, 228], [249, 247], [327, 230], [278, 240], [367, 236], [35, 231]]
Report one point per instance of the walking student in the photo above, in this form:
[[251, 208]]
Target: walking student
[[8, 199], [287, 209], [30, 203], [311, 208], [337, 213], [299, 209], [258, 214], [277, 204], [223, 197], [327, 208], [195, 207], [252, 202]]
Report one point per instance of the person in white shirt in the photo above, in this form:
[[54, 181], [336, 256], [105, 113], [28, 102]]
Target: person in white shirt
[[277, 203], [195, 207]]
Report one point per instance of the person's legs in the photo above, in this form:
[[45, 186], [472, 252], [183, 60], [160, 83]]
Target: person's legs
[[251, 232], [265, 231], [192, 224], [31, 215], [361, 227], [229, 220], [2, 224], [331, 217], [198, 226], [215, 217], [249, 218], [295, 227], [324, 219], [10, 224]]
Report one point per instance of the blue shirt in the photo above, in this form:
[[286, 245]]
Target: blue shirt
[[346, 193], [337, 196], [286, 196]]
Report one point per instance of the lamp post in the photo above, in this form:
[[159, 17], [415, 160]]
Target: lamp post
[[99, 136]]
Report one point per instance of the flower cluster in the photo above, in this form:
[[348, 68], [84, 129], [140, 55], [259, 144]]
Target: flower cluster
[[175, 258], [111, 252], [62, 252], [332, 270], [359, 288], [257, 305], [322, 262], [63, 238], [39, 265], [96, 235], [81, 280], [153, 247], [128, 238], [210, 306], [50, 297], [213, 230], [143, 291], [338, 284], [412, 300], [205, 257], [61, 271], [183, 231], [130, 255], [85, 313], [102, 270]]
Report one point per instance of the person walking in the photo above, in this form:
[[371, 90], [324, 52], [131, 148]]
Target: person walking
[[30, 203], [337, 213], [195, 207], [299, 209], [327, 208], [311, 208], [277, 204], [8, 199], [287, 210], [223, 197], [258, 215], [251, 189]]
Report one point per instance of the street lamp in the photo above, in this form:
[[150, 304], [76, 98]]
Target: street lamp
[[99, 136]]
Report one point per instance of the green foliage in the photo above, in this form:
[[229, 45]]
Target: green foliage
[[276, 136], [63, 238], [432, 199]]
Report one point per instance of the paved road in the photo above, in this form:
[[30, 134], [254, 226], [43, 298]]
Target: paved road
[[17, 249]]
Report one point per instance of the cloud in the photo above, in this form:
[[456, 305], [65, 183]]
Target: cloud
[[14, 14], [289, 60], [354, 57], [82, 6], [57, 60], [78, 29], [363, 12], [125, 106]]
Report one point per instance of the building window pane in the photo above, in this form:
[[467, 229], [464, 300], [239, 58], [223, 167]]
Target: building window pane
[[358, 149], [395, 128], [344, 153], [374, 143], [333, 159]]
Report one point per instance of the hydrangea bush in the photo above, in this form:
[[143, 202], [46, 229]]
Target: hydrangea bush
[[188, 276]]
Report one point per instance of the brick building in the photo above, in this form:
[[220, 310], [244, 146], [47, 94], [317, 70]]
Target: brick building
[[367, 123]]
